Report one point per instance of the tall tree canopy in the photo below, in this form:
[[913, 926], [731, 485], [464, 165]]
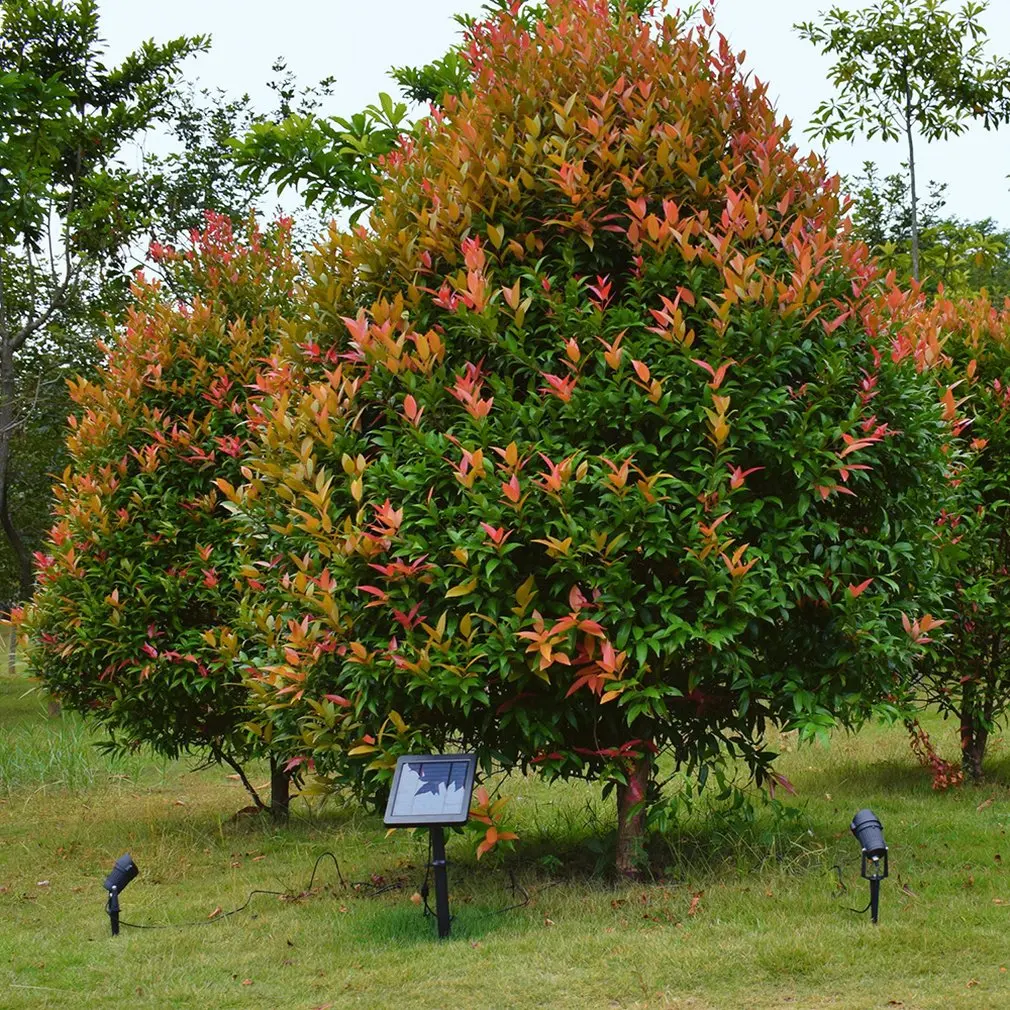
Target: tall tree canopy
[[904, 69], [67, 204]]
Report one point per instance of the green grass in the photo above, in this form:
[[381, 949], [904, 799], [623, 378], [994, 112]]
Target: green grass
[[766, 930]]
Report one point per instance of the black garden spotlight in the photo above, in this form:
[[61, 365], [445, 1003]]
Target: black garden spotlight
[[433, 791], [869, 833], [122, 873]]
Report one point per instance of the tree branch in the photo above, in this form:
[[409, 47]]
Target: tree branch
[[232, 763]]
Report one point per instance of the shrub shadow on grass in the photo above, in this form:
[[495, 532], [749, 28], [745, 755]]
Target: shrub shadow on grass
[[886, 776], [484, 900]]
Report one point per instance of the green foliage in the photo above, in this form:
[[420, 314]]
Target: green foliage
[[68, 211], [331, 161], [197, 174], [604, 443], [131, 622], [900, 64], [66, 118]]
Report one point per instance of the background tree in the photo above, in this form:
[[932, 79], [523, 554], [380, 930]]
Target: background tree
[[964, 257], [132, 623], [332, 161], [602, 447], [65, 118], [197, 172], [906, 68]]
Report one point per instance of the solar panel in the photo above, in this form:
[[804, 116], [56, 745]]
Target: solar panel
[[431, 789]]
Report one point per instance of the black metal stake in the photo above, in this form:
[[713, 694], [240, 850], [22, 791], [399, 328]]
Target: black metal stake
[[440, 867], [874, 899], [114, 911]]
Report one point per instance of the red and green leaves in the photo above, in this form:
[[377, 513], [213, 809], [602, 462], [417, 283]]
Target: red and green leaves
[[133, 622], [604, 416]]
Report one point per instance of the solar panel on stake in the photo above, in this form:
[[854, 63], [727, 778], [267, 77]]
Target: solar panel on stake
[[433, 791]]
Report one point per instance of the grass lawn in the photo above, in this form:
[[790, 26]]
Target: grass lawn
[[744, 916]]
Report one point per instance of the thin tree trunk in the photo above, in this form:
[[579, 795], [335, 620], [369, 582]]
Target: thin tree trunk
[[631, 811], [915, 195], [12, 653], [974, 736], [280, 791], [22, 557]]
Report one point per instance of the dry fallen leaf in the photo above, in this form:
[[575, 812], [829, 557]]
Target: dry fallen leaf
[[247, 981], [416, 898], [971, 983], [548, 922], [983, 805], [217, 911], [695, 902]]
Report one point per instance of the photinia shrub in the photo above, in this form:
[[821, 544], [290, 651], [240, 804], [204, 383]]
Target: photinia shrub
[[969, 676], [608, 443], [132, 621]]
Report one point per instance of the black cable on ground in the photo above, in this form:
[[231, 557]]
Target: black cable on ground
[[199, 922], [841, 884], [374, 890], [357, 885]]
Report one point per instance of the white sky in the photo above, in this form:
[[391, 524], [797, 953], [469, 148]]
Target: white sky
[[357, 42]]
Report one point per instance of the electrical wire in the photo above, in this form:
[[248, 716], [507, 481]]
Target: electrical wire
[[841, 884], [376, 889], [373, 889], [424, 890], [196, 922]]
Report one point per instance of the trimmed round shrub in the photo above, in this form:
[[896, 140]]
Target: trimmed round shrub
[[132, 621], [608, 443]]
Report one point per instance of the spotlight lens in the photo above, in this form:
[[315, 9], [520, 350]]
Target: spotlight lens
[[122, 873]]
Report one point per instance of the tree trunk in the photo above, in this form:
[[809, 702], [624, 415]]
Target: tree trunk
[[631, 811], [915, 196], [280, 791], [22, 557], [974, 737], [12, 653]]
